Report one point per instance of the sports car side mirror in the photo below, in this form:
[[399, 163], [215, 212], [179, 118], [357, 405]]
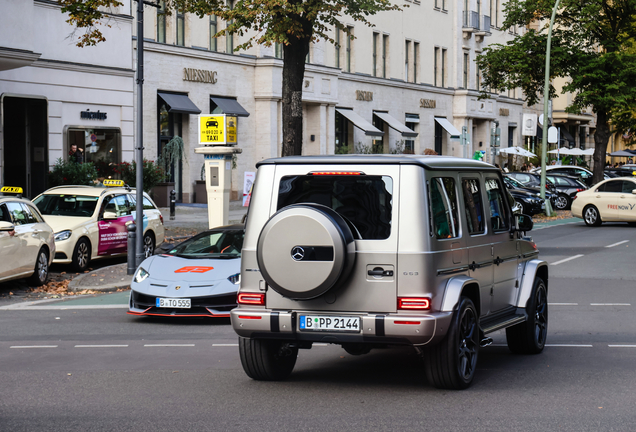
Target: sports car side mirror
[[523, 223], [6, 226], [110, 215]]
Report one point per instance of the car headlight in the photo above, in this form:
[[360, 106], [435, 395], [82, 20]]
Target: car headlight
[[63, 235], [235, 279], [141, 275]]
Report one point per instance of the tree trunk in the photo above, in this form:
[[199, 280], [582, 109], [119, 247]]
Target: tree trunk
[[601, 138], [294, 56]]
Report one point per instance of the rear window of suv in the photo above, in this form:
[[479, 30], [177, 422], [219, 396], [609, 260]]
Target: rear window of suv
[[363, 200]]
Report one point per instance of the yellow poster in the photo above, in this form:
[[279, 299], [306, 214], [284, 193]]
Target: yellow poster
[[212, 129], [231, 129]]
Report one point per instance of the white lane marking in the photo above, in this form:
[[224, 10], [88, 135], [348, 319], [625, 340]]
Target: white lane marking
[[610, 304], [622, 346], [169, 345], [616, 244], [33, 346], [563, 304], [29, 306], [225, 345], [101, 346], [320, 344], [567, 259], [568, 345]]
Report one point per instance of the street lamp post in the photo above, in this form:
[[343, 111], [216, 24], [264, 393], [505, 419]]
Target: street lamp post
[[139, 150], [546, 100]]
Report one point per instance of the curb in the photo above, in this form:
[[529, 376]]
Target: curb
[[75, 284]]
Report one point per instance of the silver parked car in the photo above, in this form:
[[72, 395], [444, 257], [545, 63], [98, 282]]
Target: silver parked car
[[373, 251]]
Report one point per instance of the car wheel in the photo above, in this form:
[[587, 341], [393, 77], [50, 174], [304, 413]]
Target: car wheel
[[529, 337], [41, 272], [149, 245], [591, 216], [451, 364], [356, 349], [562, 202], [631, 224], [267, 360], [81, 255]]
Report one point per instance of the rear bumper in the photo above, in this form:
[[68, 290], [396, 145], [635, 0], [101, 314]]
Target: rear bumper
[[393, 329]]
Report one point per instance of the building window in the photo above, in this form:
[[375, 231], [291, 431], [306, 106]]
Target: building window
[[348, 49], [416, 55], [278, 50], [375, 54], [437, 4], [407, 46], [443, 5], [213, 31], [104, 152], [411, 122], [180, 27], [161, 22], [477, 78], [435, 65], [229, 37], [342, 134], [378, 141], [337, 46], [465, 83], [385, 54], [443, 74]]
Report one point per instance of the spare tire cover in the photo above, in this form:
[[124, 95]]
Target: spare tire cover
[[304, 250]]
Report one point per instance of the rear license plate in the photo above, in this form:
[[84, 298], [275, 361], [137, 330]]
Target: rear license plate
[[329, 323], [180, 303]]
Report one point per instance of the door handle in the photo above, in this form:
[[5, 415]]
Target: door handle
[[598, 196], [379, 271]]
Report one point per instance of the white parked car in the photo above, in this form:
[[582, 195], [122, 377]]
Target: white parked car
[[91, 222], [26, 241], [612, 200]]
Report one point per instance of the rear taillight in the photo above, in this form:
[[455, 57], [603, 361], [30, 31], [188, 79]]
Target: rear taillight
[[414, 303], [580, 190], [161, 218], [257, 299], [574, 197]]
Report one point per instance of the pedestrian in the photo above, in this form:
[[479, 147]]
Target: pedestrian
[[524, 168], [506, 167], [76, 154]]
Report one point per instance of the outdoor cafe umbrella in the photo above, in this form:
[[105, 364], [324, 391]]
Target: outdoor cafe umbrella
[[623, 153], [516, 151]]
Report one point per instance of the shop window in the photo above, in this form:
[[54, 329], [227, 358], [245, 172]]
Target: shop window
[[161, 22], [101, 146], [170, 125], [342, 134]]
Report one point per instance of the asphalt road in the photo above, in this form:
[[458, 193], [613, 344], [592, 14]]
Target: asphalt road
[[100, 369]]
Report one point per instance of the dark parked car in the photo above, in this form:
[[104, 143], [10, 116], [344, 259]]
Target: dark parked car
[[568, 187], [620, 172], [532, 179], [583, 174], [512, 183], [530, 202]]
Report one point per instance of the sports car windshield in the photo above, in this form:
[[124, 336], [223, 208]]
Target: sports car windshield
[[66, 205], [212, 244]]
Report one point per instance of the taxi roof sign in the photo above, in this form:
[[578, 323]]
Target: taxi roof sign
[[113, 183], [11, 189]]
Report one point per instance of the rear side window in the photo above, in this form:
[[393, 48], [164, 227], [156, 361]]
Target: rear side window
[[443, 202], [498, 208], [612, 186], [628, 186], [365, 201], [473, 206]]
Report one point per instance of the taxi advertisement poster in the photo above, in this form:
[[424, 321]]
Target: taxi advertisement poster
[[217, 129]]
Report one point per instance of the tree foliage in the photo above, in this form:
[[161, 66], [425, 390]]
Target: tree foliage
[[592, 47]]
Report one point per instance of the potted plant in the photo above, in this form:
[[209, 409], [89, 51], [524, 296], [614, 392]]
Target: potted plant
[[72, 173]]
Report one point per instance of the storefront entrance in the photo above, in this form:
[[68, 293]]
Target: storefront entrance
[[25, 144]]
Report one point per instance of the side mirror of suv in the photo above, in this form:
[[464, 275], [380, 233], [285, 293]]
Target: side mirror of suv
[[523, 223]]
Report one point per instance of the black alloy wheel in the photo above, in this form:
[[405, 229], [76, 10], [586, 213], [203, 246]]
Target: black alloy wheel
[[451, 364], [562, 202], [529, 337], [149, 245], [81, 255]]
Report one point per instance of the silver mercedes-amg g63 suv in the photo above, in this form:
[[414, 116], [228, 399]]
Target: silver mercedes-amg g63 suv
[[375, 251]]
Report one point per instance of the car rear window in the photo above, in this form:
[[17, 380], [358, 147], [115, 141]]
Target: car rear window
[[66, 205], [365, 201]]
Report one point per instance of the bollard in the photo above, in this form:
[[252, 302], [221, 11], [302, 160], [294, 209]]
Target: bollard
[[132, 238], [173, 200]]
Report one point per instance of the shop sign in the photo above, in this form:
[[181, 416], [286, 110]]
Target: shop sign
[[364, 95], [199, 75], [504, 112], [427, 103], [217, 129], [95, 115]]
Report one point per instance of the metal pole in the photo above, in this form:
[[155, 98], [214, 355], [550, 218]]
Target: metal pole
[[131, 248], [173, 200], [139, 153], [546, 99]]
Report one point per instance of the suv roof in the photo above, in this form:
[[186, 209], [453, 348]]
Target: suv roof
[[429, 162]]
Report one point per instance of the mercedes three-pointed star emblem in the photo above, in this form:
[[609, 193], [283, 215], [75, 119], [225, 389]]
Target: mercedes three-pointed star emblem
[[297, 253]]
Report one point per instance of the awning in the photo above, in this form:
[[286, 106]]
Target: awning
[[452, 130], [395, 124], [225, 105], [359, 122], [179, 103]]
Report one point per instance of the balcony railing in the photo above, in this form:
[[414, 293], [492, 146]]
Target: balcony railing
[[471, 20], [485, 24]]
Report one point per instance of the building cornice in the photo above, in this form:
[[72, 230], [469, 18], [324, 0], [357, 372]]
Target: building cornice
[[52, 4], [196, 53], [367, 79], [12, 58], [80, 67]]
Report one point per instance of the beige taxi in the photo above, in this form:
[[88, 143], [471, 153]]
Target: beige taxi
[[26, 241], [612, 200], [91, 222]]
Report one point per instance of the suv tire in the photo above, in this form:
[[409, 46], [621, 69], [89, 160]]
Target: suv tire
[[304, 250], [267, 360], [451, 363], [529, 337]]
